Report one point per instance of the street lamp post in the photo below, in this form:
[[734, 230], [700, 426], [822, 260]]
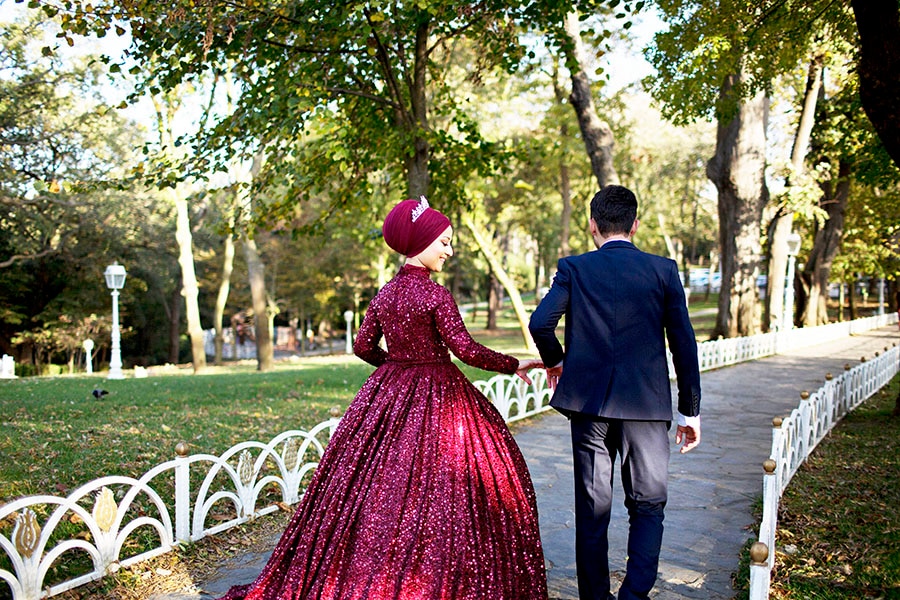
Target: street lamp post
[[348, 316], [115, 280], [793, 247]]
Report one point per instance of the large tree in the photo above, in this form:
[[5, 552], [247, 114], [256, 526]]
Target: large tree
[[781, 223], [720, 59], [370, 73], [878, 22], [598, 137], [857, 181], [177, 193]]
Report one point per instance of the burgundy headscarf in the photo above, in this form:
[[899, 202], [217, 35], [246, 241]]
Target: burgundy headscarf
[[412, 225]]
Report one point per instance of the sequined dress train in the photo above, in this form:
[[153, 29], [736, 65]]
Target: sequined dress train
[[422, 493]]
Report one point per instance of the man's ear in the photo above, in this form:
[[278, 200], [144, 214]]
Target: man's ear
[[634, 227], [595, 231]]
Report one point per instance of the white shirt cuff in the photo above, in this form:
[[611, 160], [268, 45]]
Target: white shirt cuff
[[692, 422]]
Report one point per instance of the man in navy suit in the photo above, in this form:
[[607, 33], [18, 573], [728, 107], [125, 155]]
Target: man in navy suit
[[612, 382]]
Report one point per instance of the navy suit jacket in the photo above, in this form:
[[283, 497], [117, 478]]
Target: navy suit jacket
[[620, 306]]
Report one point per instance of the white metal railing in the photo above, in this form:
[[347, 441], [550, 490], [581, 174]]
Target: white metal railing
[[796, 436], [716, 354], [99, 518], [514, 398]]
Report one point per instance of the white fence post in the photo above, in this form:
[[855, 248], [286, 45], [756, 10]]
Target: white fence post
[[760, 575], [182, 494]]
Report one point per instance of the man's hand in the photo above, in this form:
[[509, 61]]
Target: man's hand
[[689, 435], [553, 375]]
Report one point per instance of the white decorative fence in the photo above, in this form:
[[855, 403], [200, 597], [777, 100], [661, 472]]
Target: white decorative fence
[[514, 398], [716, 354], [98, 522], [796, 436]]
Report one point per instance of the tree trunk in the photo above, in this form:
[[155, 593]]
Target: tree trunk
[[565, 220], [813, 307], [504, 278], [256, 272], [598, 137], [783, 221], [165, 113], [222, 297], [565, 182], [189, 286], [174, 312], [878, 22], [713, 268], [780, 227], [670, 244], [738, 171], [493, 302], [416, 123]]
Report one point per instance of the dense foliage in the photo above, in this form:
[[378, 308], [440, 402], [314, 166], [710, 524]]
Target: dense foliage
[[343, 109]]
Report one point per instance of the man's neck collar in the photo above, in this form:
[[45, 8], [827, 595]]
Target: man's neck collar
[[613, 238]]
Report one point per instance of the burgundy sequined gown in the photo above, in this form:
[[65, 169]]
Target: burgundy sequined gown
[[422, 493]]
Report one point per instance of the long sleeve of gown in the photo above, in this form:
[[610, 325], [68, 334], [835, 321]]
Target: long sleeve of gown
[[369, 334], [454, 333]]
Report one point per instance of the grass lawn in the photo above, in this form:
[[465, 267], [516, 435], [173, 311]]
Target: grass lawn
[[55, 436], [839, 519]]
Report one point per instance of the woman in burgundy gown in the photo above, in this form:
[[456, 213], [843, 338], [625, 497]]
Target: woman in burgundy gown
[[422, 493]]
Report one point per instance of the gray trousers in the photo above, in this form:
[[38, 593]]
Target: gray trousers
[[644, 450]]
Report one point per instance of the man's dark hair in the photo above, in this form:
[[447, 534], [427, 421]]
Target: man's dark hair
[[614, 209]]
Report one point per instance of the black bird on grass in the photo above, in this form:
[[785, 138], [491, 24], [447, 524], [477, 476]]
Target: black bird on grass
[[98, 393]]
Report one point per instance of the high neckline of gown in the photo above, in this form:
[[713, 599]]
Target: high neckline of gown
[[415, 270]]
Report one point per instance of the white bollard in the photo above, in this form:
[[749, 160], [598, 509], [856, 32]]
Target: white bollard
[[88, 357], [7, 367]]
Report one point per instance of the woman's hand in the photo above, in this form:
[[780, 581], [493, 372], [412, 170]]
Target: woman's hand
[[526, 365]]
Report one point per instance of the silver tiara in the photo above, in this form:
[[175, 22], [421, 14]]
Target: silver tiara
[[420, 208]]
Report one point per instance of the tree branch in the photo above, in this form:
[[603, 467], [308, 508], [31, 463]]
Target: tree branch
[[383, 58], [22, 257]]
